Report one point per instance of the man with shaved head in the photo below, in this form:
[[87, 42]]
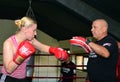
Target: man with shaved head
[[103, 56]]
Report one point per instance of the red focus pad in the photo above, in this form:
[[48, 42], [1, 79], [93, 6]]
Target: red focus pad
[[81, 42], [25, 49], [59, 53]]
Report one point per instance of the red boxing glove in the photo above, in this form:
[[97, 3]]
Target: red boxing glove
[[25, 49], [82, 42], [59, 53]]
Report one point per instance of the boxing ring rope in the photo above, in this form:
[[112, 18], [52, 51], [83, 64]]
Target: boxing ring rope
[[55, 77], [53, 66]]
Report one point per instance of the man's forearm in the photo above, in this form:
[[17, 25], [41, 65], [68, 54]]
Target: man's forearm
[[100, 50]]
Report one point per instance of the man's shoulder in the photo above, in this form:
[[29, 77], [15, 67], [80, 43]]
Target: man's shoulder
[[110, 38], [72, 63], [107, 39]]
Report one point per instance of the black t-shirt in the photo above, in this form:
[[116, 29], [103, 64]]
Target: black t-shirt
[[103, 69], [68, 70]]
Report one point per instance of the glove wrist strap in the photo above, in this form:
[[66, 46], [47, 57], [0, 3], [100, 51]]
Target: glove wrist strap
[[87, 41]]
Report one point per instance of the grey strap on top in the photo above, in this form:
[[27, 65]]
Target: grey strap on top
[[3, 77]]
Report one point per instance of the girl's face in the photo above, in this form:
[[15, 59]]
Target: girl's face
[[31, 32]]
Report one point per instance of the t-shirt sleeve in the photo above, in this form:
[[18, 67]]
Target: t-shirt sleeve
[[110, 46]]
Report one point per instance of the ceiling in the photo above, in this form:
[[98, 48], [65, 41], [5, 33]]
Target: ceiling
[[58, 20], [109, 7]]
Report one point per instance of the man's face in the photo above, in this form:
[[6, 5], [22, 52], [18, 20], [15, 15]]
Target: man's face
[[97, 30]]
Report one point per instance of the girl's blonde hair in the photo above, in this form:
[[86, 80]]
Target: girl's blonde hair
[[24, 22]]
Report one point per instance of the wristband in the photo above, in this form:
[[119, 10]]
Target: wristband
[[87, 41]]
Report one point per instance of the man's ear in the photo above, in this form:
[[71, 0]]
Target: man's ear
[[104, 29]]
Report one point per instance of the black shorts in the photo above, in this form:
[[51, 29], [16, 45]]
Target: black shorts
[[12, 79]]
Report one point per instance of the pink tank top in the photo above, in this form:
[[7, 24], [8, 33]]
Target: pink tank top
[[20, 72]]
